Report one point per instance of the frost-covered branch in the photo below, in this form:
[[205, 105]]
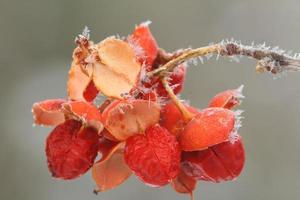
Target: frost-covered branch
[[269, 59]]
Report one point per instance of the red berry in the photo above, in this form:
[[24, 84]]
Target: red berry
[[211, 126], [172, 119], [176, 81], [143, 37], [227, 99], [222, 162], [154, 157], [71, 150]]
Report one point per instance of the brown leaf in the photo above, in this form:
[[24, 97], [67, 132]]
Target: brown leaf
[[118, 69], [48, 112], [111, 170], [126, 118], [184, 184]]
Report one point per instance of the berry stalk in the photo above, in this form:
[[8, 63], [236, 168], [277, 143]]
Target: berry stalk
[[269, 59], [185, 112]]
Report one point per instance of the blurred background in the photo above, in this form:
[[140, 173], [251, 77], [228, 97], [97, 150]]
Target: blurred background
[[36, 43]]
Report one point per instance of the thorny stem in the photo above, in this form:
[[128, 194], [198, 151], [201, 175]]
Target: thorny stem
[[272, 60], [185, 112]]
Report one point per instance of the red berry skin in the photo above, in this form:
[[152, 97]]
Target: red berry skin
[[172, 118], [222, 162], [71, 149], [143, 36], [227, 99], [90, 92], [176, 81], [210, 127], [153, 157]]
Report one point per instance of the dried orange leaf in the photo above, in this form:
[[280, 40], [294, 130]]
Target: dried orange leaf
[[79, 77], [118, 71], [85, 112], [48, 112], [126, 118], [184, 183], [110, 173]]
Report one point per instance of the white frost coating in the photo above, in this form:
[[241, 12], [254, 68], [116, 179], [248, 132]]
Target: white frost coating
[[201, 59], [233, 136], [86, 33], [239, 92], [146, 23], [138, 50]]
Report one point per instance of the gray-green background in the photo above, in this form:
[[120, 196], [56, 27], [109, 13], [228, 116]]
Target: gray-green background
[[36, 42]]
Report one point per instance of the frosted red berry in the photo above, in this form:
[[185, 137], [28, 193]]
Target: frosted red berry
[[172, 119], [222, 162], [211, 126], [154, 156], [227, 99], [71, 149], [143, 37]]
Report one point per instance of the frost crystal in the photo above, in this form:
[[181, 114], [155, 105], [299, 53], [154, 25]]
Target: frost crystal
[[233, 136], [138, 50]]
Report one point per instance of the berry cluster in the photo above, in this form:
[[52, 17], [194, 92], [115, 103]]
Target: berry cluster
[[141, 126]]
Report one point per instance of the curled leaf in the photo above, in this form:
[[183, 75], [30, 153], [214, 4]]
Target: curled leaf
[[111, 170], [125, 118], [117, 72], [85, 112], [48, 112]]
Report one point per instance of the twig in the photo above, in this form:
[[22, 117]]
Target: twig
[[272, 60]]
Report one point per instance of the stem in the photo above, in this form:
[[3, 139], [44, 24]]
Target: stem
[[269, 59], [185, 112]]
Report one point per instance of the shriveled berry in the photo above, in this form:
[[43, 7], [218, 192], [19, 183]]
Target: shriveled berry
[[172, 118], [211, 126], [222, 162], [154, 157], [227, 99], [71, 149]]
